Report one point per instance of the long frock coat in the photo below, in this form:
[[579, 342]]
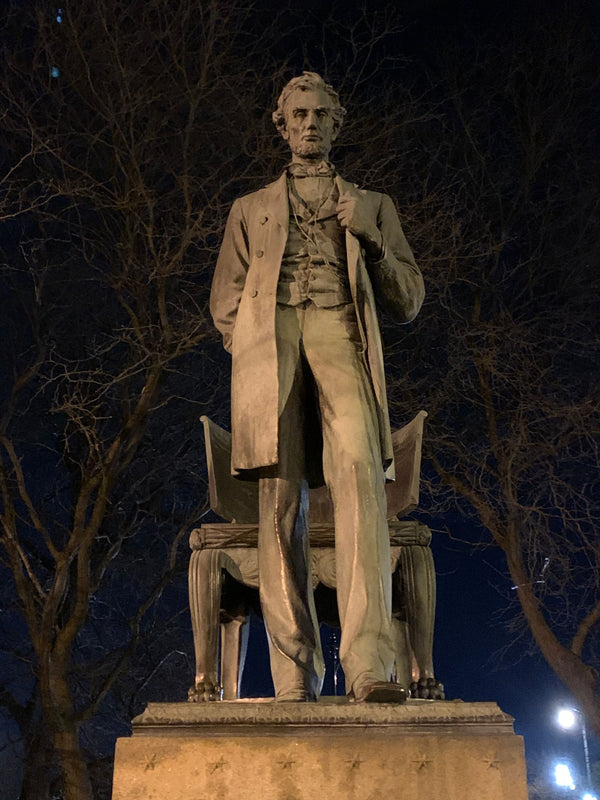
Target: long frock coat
[[243, 306]]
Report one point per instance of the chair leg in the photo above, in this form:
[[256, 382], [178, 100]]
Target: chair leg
[[205, 580], [418, 577], [234, 645], [403, 652]]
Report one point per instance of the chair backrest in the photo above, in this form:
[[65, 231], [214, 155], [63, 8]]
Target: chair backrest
[[237, 501]]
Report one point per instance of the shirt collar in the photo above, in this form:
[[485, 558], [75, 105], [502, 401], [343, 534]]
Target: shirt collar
[[322, 170]]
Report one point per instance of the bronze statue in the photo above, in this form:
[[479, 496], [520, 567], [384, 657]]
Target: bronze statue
[[293, 295]]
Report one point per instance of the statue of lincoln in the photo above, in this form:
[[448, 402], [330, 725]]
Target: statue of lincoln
[[301, 264]]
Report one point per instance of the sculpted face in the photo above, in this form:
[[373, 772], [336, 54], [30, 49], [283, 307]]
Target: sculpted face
[[310, 129]]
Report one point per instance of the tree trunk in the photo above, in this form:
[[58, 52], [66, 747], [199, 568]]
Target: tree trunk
[[76, 779], [60, 719]]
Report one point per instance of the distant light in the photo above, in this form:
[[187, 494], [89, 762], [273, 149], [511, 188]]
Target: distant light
[[566, 718], [59, 16], [588, 796], [562, 776], [55, 72]]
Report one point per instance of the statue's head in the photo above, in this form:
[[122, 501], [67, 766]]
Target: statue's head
[[309, 116]]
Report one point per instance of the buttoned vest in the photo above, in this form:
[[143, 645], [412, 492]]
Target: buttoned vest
[[314, 263]]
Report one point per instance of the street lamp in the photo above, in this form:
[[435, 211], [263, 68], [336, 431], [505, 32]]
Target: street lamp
[[562, 776], [567, 719]]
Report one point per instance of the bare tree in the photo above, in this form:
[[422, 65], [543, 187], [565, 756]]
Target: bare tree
[[121, 142], [125, 135], [506, 345], [126, 132]]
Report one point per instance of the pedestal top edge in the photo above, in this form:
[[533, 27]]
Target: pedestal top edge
[[267, 713]]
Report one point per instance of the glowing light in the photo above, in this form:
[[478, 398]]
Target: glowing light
[[588, 796], [562, 776], [59, 15], [55, 72], [566, 718]]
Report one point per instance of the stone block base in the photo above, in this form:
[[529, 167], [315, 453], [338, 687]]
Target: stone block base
[[329, 751]]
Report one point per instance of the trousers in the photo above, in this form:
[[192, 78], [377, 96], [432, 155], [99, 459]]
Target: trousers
[[320, 351]]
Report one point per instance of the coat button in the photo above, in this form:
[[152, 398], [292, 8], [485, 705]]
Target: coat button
[[260, 253], [263, 220], [254, 293]]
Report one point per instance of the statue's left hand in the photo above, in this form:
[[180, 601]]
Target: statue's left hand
[[356, 214]]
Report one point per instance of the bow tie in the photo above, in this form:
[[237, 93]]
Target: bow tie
[[322, 170]]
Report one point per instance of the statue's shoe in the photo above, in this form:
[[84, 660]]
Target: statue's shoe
[[296, 696], [380, 692]]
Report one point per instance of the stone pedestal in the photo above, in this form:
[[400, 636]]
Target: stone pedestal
[[244, 750]]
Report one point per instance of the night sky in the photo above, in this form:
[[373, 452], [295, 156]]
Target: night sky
[[475, 654], [475, 651]]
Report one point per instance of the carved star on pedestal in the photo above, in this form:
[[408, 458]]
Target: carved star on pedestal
[[492, 763], [355, 762], [150, 763], [422, 761], [215, 765]]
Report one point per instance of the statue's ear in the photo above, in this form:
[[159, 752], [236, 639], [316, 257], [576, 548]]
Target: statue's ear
[[284, 132]]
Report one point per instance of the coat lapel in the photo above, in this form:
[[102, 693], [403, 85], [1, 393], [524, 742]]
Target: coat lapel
[[275, 202], [352, 243]]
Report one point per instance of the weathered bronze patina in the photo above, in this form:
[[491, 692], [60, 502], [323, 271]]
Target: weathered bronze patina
[[293, 295]]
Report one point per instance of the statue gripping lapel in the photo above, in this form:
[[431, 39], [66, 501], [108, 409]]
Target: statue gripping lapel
[[301, 264]]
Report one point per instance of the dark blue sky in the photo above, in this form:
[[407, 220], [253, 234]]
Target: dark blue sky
[[475, 655]]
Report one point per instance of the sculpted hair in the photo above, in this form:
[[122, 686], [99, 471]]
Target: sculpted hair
[[309, 81]]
